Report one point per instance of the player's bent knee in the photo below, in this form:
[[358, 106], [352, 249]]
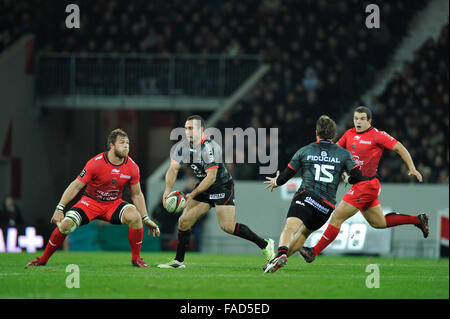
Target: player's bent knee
[[71, 222], [184, 223], [131, 216], [65, 226], [377, 225]]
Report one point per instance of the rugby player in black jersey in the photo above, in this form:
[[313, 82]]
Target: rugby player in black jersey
[[214, 189], [321, 165]]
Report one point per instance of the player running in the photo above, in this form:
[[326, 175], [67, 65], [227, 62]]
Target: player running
[[105, 176], [321, 165], [366, 144], [215, 188]]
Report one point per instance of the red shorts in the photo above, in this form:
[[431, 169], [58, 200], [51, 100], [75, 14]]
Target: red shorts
[[90, 209], [364, 195]]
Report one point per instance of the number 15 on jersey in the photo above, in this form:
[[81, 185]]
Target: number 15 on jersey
[[323, 173]]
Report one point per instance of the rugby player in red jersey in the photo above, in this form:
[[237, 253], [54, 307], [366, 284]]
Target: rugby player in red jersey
[[366, 144], [105, 175]]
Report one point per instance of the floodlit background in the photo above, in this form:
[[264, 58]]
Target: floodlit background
[[144, 66]]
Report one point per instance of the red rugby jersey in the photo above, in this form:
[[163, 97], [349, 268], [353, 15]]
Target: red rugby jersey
[[105, 181], [366, 147]]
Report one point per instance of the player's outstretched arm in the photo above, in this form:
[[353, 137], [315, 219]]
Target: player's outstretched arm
[[138, 199], [272, 181], [71, 191], [278, 180], [171, 177], [406, 157]]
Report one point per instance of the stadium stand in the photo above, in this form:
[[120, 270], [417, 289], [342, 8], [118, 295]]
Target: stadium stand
[[317, 64], [16, 19], [322, 57], [414, 109]]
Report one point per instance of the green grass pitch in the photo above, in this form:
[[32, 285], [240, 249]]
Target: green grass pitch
[[209, 276]]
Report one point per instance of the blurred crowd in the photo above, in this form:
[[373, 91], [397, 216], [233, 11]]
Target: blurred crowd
[[10, 213], [15, 20], [414, 109], [322, 58]]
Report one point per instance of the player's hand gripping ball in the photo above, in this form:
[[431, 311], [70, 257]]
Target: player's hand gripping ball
[[175, 202]]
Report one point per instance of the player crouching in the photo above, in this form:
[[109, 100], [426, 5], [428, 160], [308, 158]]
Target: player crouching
[[105, 175]]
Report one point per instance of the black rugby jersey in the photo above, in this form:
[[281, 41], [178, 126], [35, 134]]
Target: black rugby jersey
[[321, 165], [205, 155]]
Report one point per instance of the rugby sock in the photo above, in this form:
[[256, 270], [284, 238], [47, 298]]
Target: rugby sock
[[135, 237], [56, 239], [243, 231], [328, 236], [282, 250], [183, 244], [395, 219]]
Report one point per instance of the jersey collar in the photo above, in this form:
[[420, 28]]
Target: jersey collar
[[105, 157], [326, 142], [201, 142]]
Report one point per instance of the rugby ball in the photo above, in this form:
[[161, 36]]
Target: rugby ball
[[175, 202]]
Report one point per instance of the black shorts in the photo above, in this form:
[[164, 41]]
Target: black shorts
[[310, 209], [222, 194]]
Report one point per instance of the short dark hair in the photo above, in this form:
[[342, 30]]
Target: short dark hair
[[113, 136], [199, 118], [364, 109], [326, 127]]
